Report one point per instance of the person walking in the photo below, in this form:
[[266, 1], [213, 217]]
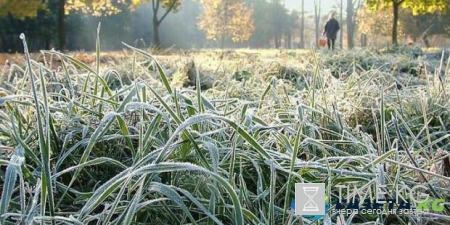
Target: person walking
[[330, 31]]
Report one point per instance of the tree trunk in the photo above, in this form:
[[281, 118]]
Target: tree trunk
[[302, 29], [223, 30], [317, 19], [222, 41], [396, 6], [276, 41], [341, 34], [47, 42], [2, 49], [156, 22], [350, 25], [363, 40], [61, 25], [289, 40], [3, 44], [156, 41]]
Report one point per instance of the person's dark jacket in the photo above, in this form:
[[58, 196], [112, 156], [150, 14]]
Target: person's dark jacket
[[331, 28]]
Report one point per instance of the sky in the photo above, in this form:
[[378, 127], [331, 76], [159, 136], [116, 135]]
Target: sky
[[327, 5]]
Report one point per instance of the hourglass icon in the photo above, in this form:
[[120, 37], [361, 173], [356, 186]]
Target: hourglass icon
[[310, 204]]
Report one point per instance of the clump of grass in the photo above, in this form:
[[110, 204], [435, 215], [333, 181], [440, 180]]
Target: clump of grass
[[100, 150]]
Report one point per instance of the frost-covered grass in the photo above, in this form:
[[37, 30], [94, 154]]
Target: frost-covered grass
[[118, 140]]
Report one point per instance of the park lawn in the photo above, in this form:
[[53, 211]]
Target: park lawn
[[124, 139]]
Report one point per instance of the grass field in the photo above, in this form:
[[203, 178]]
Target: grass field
[[217, 137]]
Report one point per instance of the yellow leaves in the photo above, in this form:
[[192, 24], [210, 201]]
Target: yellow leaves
[[29, 8], [417, 6], [222, 18], [174, 4], [241, 25], [425, 6], [380, 22], [21, 8], [94, 7], [134, 4]]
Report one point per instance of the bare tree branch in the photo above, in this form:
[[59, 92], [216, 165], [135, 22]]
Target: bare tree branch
[[171, 7]]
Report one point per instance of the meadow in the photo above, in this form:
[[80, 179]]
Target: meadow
[[217, 137]]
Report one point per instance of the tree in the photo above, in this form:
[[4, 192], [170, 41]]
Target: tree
[[417, 7], [20, 8], [278, 15], [352, 11], [263, 32], [226, 18], [273, 24], [291, 23], [100, 7], [341, 34], [169, 5], [29, 8], [378, 24], [96, 8], [420, 27], [302, 26], [317, 10]]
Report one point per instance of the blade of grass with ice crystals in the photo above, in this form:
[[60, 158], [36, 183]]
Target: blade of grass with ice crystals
[[104, 125], [126, 134], [132, 208], [128, 98], [214, 154], [198, 204], [318, 143], [177, 104], [312, 91], [383, 124], [273, 178], [83, 66], [12, 171], [17, 137], [173, 196], [179, 122], [379, 159], [172, 167], [97, 49], [93, 162], [405, 146], [47, 189], [31, 212], [161, 72], [60, 219], [165, 152], [263, 96], [201, 108], [103, 192], [293, 159], [113, 207], [68, 80], [152, 128]]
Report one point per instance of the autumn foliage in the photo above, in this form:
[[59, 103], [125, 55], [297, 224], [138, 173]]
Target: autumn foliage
[[20, 8], [226, 18]]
